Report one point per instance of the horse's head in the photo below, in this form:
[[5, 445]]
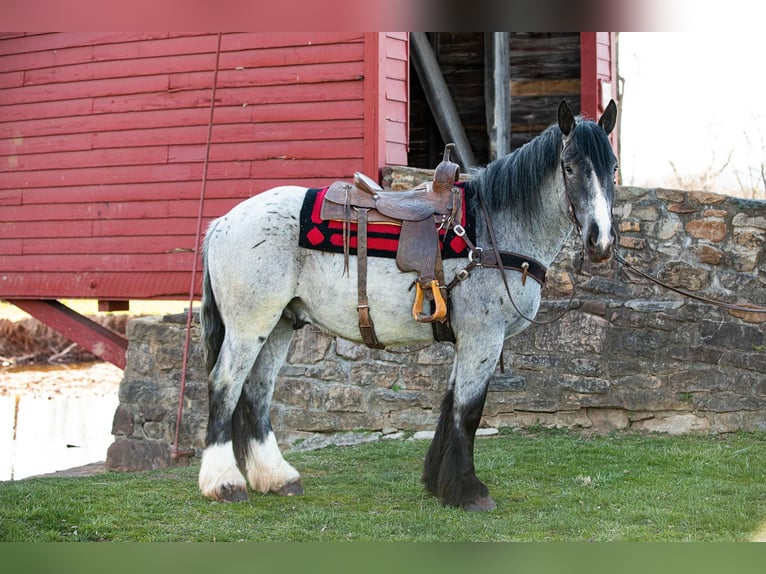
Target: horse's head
[[588, 167]]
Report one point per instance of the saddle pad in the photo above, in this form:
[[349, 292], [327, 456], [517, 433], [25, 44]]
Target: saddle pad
[[382, 238]]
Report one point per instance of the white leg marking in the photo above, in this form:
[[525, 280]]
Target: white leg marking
[[219, 467], [601, 214], [266, 469]]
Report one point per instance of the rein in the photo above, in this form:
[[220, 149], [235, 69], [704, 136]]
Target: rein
[[745, 308], [500, 265], [498, 255]]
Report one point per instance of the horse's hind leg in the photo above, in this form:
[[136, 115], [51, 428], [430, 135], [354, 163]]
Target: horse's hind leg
[[255, 445], [219, 477]]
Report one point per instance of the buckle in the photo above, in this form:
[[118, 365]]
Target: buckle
[[475, 252]]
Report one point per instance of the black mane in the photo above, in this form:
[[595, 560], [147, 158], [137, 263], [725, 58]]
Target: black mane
[[514, 181]]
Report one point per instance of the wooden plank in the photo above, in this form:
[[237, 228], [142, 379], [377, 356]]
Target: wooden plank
[[242, 97], [148, 191], [31, 60], [145, 227], [83, 263], [11, 246], [13, 114], [155, 209], [396, 132], [11, 79], [63, 178], [10, 197], [91, 159], [64, 40], [90, 335], [129, 68], [545, 87], [396, 47], [106, 88], [45, 144], [96, 285], [307, 168], [109, 306], [277, 76], [268, 114], [143, 245], [63, 210], [295, 149], [57, 229], [396, 70], [397, 90], [395, 154], [322, 54], [270, 40], [97, 66]]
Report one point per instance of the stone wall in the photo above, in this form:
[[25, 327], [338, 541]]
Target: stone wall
[[629, 356]]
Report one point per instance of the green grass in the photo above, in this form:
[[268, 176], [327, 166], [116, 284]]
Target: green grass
[[554, 485]]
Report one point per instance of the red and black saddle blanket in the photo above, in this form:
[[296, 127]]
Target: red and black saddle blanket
[[382, 238]]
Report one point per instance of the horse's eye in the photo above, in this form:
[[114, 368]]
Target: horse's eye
[[568, 169]]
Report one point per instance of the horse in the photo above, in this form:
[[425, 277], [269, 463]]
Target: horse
[[259, 286]]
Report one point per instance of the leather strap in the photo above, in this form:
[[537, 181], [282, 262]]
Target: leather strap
[[745, 308], [366, 326], [510, 260]]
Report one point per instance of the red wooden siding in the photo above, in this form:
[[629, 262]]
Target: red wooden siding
[[102, 142], [598, 67], [598, 61]]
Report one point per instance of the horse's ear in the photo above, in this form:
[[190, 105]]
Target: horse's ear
[[566, 118], [609, 118]]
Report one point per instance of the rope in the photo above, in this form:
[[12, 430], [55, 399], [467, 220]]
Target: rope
[[747, 307], [198, 235]]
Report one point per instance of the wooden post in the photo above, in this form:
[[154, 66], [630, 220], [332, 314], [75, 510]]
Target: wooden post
[[99, 340], [497, 92]]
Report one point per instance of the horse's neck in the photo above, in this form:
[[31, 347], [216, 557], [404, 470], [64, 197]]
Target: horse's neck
[[543, 236]]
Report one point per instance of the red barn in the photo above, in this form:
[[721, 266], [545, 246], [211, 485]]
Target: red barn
[[103, 140]]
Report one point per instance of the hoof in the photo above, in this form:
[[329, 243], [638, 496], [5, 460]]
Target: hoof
[[292, 488], [231, 493], [483, 504]]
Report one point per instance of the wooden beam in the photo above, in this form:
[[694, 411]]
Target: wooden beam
[[497, 94], [439, 99], [99, 340], [109, 305], [545, 87]]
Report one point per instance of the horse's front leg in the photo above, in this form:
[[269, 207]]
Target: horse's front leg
[[449, 472]]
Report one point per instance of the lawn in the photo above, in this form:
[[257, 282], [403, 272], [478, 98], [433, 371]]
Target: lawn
[[549, 486]]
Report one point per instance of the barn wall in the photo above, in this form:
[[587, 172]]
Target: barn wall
[[102, 143], [544, 68]]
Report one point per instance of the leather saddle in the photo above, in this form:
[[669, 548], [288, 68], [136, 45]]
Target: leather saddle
[[421, 212]]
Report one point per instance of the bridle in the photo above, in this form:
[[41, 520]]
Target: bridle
[[497, 253], [571, 213]]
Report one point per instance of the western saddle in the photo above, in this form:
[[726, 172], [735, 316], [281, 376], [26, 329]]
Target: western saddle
[[421, 212]]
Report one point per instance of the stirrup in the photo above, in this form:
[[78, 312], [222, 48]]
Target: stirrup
[[440, 312]]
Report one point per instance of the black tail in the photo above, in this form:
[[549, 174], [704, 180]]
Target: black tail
[[213, 329]]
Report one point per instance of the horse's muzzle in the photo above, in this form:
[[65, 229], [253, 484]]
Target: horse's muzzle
[[599, 246]]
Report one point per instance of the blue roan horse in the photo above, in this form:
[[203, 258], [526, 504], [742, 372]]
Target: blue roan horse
[[259, 286]]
